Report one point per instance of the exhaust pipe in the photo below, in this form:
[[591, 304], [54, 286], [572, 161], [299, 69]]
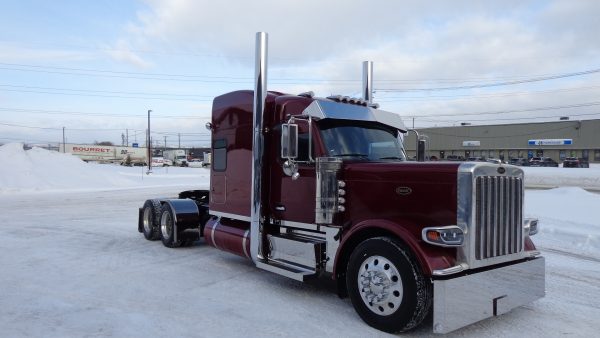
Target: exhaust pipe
[[367, 82], [258, 109]]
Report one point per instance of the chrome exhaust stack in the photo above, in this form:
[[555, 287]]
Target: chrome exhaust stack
[[367, 82], [258, 144]]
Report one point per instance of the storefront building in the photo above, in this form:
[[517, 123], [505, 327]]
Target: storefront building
[[556, 140]]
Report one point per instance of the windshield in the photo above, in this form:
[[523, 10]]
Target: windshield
[[362, 140]]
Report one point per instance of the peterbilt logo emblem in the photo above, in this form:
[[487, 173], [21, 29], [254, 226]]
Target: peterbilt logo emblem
[[403, 191], [501, 170]]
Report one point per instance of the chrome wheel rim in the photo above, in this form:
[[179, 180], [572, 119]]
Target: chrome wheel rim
[[166, 223], [147, 220], [380, 285]]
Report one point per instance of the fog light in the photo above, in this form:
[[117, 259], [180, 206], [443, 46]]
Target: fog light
[[450, 235]]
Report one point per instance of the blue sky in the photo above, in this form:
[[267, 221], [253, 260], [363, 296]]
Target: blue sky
[[96, 67]]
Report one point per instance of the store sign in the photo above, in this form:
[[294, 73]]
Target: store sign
[[471, 143], [551, 142]]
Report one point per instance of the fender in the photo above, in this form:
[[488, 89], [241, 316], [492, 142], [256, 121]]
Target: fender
[[429, 257], [186, 213]]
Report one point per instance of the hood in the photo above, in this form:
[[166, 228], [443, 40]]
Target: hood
[[422, 194]]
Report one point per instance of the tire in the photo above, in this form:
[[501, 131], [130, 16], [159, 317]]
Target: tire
[[151, 219], [167, 227], [386, 285]]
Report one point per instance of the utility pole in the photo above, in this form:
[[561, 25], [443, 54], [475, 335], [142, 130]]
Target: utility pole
[[413, 123], [179, 136], [149, 145], [64, 143], [165, 147], [127, 137]]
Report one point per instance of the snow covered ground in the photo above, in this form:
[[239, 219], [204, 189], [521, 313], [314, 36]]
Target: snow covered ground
[[73, 263]]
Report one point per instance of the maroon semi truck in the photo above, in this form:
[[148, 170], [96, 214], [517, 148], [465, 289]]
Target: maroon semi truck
[[308, 187]]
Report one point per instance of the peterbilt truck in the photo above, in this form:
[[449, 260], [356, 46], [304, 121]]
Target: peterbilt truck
[[310, 187]]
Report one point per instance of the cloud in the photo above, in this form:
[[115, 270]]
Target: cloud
[[122, 52], [416, 44]]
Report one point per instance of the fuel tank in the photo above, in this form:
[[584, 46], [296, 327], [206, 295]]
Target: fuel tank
[[228, 235]]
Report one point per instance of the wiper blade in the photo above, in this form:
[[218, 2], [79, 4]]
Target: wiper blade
[[390, 158]]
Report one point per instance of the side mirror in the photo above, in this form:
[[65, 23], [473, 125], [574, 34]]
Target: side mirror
[[289, 141], [421, 151]]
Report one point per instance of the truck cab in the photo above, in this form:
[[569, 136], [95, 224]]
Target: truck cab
[[311, 187]]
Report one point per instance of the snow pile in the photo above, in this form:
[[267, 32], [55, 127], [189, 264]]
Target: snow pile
[[546, 177], [40, 169], [569, 219]]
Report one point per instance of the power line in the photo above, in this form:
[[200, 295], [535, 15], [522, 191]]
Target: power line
[[472, 97], [512, 119], [431, 132], [201, 78], [99, 95], [78, 113], [104, 91], [497, 84], [576, 105]]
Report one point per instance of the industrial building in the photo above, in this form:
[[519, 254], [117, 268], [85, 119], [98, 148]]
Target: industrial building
[[556, 140]]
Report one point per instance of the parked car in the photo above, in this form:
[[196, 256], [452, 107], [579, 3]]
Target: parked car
[[583, 163], [571, 162], [522, 162], [161, 162], [195, 163], [574, 162], [476, 159], [542, 162], [455, 158]]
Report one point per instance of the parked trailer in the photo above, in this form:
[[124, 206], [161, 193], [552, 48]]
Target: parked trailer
[[307, 187]]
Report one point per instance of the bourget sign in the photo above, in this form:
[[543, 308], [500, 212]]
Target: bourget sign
[[550, 142]]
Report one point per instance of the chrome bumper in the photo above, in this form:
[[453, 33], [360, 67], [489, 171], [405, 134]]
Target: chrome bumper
[[461, 301]]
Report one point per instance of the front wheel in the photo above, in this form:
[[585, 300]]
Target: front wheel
[[386, 285]]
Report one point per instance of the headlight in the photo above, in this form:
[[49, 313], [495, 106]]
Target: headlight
[[449, 236]]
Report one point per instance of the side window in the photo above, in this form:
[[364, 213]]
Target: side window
[[302, 145], [220, 155]]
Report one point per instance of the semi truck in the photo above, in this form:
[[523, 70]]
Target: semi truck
[[309, 187], [177, 156]]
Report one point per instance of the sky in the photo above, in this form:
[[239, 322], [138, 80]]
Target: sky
[[97, 67]]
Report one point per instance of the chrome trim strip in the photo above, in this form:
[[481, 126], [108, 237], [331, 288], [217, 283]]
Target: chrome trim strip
[[451, 270], [244, 243], [231, 216], [305, 226], [212, 233]]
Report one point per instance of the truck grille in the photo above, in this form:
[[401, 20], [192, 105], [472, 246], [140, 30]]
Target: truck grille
[[498, 216]]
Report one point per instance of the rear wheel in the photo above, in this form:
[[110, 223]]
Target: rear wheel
[[167, 227], [151, 219], [386, 285]]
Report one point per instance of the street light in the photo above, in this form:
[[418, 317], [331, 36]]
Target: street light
[[149, 144]]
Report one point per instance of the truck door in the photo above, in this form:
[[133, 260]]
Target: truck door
[[289, 199]]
